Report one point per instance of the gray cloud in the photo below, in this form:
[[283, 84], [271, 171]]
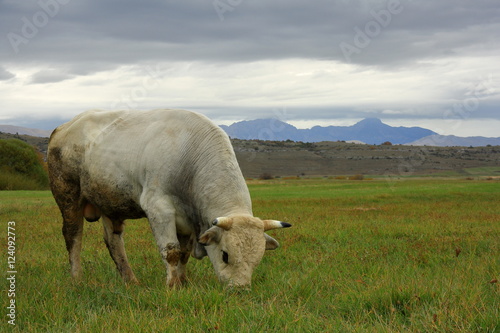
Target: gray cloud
[[131, 31], [49, 76], [432, 42], [5, 74]]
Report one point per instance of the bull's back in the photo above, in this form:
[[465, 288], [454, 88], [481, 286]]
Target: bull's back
[[114, 155]]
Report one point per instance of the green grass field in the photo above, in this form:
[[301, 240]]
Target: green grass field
[[362, 256]]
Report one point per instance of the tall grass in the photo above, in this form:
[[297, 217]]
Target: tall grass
[[416, 256], [15, 181]]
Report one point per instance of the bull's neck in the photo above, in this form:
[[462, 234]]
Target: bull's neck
[[224, 196], [217, 184], [222, 188]]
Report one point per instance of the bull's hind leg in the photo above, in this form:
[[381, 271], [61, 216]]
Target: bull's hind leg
[[113, 238], [72, 231], [67, 195]]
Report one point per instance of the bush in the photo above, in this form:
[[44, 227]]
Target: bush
[[356, 177], [21, 166], [265, 176]]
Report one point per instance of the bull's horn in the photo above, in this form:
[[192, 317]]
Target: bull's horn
[[273, 224], [223, 222]]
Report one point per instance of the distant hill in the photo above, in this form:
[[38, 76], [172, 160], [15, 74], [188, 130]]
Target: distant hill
[[23, 130], [454, 141], [289, 158], [370, 130], [40, 143]]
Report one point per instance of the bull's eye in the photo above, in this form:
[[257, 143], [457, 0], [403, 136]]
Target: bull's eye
[[225, 257]]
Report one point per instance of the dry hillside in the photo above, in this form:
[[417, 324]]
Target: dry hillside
[[288, 158], [279, 158]]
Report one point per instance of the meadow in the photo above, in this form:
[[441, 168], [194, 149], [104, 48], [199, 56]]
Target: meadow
[[411, 255]]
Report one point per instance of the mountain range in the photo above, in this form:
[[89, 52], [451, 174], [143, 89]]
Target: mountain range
[[369, 130], [24, 130], [456, 141]]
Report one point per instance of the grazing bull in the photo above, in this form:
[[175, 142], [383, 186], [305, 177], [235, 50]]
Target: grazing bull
[[174, 167]]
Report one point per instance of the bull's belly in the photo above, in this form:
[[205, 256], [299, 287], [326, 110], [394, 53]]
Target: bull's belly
[[122, 210], [118, 202]]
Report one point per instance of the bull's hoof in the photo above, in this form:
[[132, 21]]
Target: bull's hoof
[[76, 274], [133, 281], [129, 277], [236, 288], [176, 282]]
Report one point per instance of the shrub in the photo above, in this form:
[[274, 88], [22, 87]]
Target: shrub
[[21, 166], [265, 176], [356, 177]]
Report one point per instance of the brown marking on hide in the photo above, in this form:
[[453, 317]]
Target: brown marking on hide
[[172, 253], [186, 243], [63, 184], [111, 200], [176, 269]]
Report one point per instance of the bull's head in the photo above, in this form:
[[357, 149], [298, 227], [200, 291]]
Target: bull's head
[[236, 244]]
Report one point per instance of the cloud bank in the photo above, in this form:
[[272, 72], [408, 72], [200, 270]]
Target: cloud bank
[[422, 61]]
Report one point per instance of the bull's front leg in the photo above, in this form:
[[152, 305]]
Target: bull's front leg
[[170, 251], [161, 216], [186, 248]]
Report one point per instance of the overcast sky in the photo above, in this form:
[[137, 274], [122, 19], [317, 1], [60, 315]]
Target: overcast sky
[[427, 63]]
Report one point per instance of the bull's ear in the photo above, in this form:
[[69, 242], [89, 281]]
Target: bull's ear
[[211, 236], [271, 243]]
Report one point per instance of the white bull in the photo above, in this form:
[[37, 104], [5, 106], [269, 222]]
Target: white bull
[[174, 167]]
